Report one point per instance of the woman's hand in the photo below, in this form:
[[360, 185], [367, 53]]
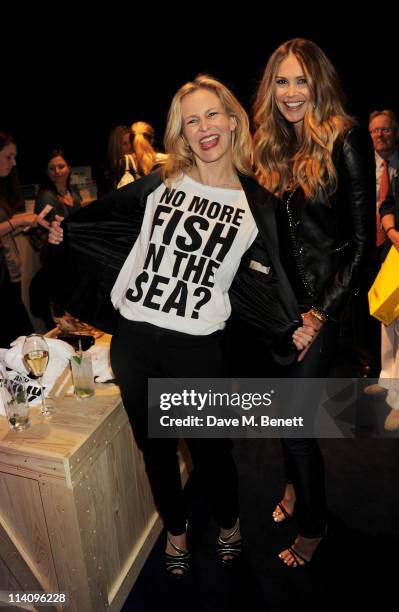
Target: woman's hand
[[56, 233], [303, 336], [312, 322]]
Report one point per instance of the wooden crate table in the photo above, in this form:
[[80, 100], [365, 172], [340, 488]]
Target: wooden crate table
[[76, 510]]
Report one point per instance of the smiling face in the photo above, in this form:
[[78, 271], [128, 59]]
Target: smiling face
[[7, 159], [207, 127], [292, 93]]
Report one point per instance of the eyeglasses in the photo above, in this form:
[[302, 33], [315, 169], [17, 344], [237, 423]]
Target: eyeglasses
[[383, 130]]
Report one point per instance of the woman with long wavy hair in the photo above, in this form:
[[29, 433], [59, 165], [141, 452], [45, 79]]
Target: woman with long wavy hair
[[310, 153]]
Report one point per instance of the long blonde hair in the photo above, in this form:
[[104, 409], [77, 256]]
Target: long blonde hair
[[143, 137], [282, 162], [180, 158]]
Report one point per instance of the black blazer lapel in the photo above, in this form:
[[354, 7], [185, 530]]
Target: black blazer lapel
[[266, 301], [262, 205]]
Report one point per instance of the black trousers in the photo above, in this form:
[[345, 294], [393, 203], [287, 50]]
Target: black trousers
[[304, 465], [140, 351]]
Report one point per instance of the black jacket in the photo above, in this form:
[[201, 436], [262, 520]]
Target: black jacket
[[333, 237], [99, 237]]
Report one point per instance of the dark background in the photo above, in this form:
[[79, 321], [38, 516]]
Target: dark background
[[68, 83]]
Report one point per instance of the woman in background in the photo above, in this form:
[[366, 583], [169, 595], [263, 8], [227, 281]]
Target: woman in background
[[14, 319], [56, 189], [62, 199], [119, 145], [146, 157]]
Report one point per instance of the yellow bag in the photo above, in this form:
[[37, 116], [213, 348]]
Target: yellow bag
[[384, 293]]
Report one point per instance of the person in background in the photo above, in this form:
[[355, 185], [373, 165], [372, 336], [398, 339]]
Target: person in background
[[146, 158], [131, 155], [119, 145], [209, 161], [14, 319], [384, 132], [62, 199], [311, 155], [56, 189]]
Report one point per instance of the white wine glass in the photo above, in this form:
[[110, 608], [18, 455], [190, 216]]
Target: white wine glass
[[35, 353]]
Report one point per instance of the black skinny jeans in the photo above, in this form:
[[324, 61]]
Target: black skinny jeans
[[140, 351], [304, 465]]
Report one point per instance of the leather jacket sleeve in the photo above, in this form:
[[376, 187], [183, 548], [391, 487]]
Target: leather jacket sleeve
[[356, 200]]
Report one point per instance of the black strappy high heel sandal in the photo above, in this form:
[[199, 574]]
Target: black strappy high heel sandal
[[227, 548], [283, 510], [177, 565]]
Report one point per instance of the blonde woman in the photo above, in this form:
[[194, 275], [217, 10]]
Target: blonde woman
[[146, 157], [311, 155], [196, 215]]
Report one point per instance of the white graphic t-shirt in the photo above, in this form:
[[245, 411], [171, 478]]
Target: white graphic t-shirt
[[178, 273]]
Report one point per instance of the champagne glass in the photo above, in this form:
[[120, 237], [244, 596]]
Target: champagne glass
[[35, 353]]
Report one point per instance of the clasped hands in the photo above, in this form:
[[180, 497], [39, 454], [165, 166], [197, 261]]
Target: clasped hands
[[304, 336]]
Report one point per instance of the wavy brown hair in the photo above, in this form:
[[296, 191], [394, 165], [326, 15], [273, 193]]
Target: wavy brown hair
[[180, 158], [281, 161]]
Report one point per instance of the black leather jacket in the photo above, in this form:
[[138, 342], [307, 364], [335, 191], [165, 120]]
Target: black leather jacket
[[329, 239]]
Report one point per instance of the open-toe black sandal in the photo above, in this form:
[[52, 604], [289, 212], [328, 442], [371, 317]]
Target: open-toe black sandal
[[287, 515], [227, 548], [297, 557], [284, 512], [177, 565]]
